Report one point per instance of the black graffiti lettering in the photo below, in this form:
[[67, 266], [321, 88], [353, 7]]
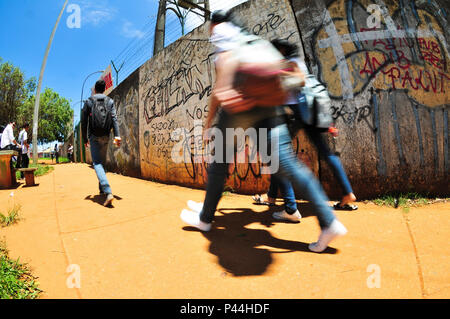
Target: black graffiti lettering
[[350, 117], [272, 23]]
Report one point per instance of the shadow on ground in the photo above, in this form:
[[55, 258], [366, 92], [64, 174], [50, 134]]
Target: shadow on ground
[[239, 249], [100, 199]]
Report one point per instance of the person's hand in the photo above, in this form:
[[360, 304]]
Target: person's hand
[[233, 101], [117, 141], [333, 131]]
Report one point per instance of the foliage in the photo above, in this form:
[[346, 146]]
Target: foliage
[[11, 217], [14, 91], [404, 200], [17, 98], [55, 116], [16, 281], [41, 170]]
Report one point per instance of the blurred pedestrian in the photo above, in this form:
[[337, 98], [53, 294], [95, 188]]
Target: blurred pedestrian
[[225, 35], [290, 52]]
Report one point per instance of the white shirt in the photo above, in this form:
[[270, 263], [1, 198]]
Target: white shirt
[[225, 37], [7, 136], [292, 97], [23, 136]]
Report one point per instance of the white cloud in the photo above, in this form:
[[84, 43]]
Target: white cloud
[[129, 31], [96, 13]]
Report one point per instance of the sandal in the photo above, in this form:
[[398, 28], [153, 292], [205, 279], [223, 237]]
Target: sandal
[[350, 207], [259, 201]]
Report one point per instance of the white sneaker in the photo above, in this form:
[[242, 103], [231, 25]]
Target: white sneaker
[[295, 217], [196, 207], [327, 235], [193, 219]]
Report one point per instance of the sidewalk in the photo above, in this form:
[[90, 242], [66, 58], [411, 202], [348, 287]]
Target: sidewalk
[[141, 249]]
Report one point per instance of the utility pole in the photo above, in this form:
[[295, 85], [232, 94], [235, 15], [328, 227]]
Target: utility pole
[[38, 90], [160, 28], [117, 71], [207, 12], [158, 44]]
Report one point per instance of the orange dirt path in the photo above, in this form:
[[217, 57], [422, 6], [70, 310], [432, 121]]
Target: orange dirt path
[[141, 249]]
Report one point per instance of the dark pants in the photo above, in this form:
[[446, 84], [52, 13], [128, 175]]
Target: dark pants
[[25, 162]]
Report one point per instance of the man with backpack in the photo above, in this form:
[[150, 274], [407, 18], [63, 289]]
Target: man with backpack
[[98, 117]]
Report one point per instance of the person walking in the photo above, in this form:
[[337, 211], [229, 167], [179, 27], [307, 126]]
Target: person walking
[[225, 36], [98, 117], [290, 52], [70, 152], [56, 151]]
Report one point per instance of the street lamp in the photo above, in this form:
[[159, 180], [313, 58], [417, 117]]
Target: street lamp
[[38, 90]]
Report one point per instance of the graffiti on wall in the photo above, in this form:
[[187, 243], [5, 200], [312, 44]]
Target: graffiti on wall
[[126, 100], [386, 65], [174, 87], [406, 51]]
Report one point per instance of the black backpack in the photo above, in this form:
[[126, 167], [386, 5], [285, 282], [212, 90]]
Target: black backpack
[[100, 116]]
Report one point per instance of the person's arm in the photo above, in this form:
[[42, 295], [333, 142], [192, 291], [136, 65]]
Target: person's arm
[[84, 120], [11, 136], [115, 124], [228, 98], [25, 140], [296, 72], [213, 106]]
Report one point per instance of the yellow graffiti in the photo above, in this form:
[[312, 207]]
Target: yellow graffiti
[[417, 64]]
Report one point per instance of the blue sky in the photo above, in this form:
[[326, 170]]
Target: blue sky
[[110, 30]]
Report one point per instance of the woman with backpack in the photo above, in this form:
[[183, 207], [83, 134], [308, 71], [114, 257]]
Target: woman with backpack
[[235, 109], [290, 52]]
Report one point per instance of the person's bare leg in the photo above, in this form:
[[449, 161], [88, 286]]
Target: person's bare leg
[[348, 199]]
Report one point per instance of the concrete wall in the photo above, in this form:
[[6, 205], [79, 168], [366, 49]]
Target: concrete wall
[[174, 90], [389, 89], [126, 159]]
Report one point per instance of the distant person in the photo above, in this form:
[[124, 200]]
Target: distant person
[[23, 139], [56, 153], [70, 152], [98, 117], [1, 131], [8, 141]]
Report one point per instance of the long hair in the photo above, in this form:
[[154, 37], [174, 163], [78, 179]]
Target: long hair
[[289, 49]]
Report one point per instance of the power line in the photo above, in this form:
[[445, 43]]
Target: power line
[[140, 49]]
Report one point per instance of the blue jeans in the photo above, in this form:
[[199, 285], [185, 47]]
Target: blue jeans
[[290, 168], [287, 192], [99, 148], [317, 138]]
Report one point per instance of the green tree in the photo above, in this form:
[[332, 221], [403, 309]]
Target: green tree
[[14, 91], [55, 116]]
